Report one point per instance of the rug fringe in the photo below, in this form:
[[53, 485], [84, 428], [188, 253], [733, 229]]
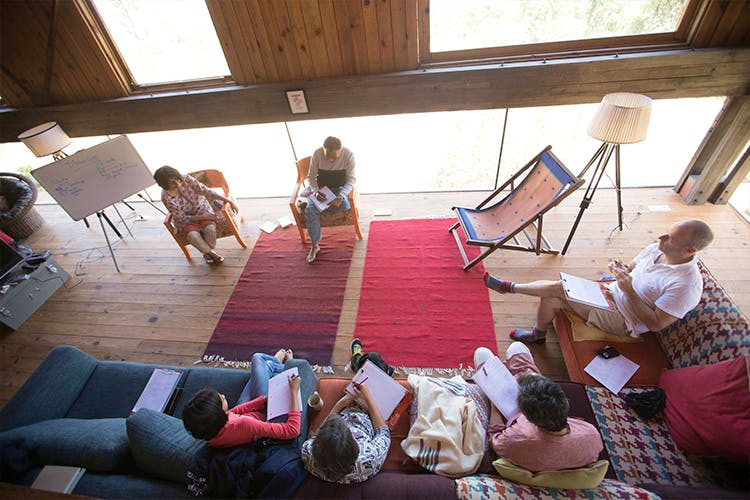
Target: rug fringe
[[465, 372], [218, 361]]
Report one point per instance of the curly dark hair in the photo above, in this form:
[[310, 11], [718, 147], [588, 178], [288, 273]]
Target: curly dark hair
[[163, 174], [204, 416], [543, 402], [334, 449]]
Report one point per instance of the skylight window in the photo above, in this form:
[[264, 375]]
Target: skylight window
[[164, 40], [475, 24]]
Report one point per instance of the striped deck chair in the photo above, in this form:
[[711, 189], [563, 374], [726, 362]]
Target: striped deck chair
[[546, 184]]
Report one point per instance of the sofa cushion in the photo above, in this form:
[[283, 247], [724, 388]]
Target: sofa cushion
[[385, 485], [483, 486], [97, 444], [575, 479], [708, 408], [160, 444], [227, 381], [51, 390]]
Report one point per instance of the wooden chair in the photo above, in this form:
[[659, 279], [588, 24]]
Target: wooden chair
[[347, 218], [226, 220], [546, 184]]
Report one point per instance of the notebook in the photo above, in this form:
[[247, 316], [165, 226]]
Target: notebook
[[500, 386], [158, 390], [280, 395], [58, 478], [586, 291], [390, 397]]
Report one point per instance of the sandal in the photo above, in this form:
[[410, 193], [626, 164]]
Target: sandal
[[208, 258]]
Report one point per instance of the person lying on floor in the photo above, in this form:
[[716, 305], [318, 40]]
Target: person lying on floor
[[543, 437], [188, 200], [660, 286], [352, 443], [207, 416]]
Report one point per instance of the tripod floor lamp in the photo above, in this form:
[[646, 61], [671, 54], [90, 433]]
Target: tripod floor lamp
[[622, 118]]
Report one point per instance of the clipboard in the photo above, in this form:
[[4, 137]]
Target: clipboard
[[586, 291]]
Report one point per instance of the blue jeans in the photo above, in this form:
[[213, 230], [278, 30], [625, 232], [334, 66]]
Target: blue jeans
[[312, 217], [264, 367]]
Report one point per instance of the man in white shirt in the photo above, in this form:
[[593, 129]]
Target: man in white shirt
[[660, 286], [332, 166]]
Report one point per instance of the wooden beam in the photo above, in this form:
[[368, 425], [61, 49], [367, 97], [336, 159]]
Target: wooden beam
[[687, 73], [732, 181], [717, 153]]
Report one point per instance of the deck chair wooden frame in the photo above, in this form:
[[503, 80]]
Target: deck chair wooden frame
[[533, 197], [346, 218], [213, 179]]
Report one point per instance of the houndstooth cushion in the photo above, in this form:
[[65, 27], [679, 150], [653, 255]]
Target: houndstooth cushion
[[487, 487], [640, 452], [714, 331]]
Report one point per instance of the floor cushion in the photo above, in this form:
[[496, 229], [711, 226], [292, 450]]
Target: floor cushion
[[161, 446], [484, 487], [708, 408], [576, 479], [96, 444]]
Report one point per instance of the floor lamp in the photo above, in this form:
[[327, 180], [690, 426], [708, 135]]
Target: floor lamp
[[622, 118]]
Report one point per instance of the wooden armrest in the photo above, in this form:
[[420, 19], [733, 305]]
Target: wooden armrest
[[295, 194]]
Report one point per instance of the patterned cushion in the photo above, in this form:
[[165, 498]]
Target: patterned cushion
[[327, 219], [714, 331], [222, 226], [640, 452], [486, 487]]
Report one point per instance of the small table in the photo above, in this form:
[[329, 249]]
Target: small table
[[21, 300]]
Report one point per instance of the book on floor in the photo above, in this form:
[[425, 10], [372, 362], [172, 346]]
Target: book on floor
[[280, 395], [268, 226], [59, 478], [586, 291], [158, 390], [323, 204], [390, 397], [612, 373], [500, 386], [284, 221]]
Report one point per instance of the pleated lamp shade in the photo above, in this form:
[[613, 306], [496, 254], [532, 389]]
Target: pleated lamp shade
[[45, 139], [622, 118]]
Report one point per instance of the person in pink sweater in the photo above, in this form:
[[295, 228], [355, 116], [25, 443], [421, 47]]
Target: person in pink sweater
[[543, 437], [208, 416]]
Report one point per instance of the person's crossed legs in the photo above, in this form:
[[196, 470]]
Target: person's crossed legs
[[312, 220]]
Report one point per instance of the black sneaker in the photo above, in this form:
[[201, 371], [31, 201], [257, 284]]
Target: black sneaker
[[356, 347]]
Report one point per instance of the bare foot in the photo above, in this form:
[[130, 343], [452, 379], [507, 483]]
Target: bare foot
[[289, 355], [280, 355]]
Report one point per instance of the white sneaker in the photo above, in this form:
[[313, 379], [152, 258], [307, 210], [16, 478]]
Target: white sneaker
[[312, 254], [481, 355], [517, 348]]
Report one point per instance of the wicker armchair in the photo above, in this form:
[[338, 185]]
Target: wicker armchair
[[18, 218]]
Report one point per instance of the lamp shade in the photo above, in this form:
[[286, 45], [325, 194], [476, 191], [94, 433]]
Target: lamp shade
[[45, 139], [622, 118]]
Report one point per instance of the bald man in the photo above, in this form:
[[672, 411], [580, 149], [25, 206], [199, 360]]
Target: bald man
[[660, 286]]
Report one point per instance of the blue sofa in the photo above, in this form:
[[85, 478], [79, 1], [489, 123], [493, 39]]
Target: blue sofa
[[75, 410]]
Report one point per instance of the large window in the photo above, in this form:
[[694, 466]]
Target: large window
[[528, 27], [164, 40]]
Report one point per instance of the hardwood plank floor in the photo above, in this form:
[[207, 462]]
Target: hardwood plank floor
[[163, 309]]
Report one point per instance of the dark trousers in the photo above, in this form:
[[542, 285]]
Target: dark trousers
[[373, 357]]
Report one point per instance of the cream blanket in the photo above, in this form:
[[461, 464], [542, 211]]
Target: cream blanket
[[447, 437]]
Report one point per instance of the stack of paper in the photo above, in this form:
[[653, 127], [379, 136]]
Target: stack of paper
[[58, 478], [613, 373]]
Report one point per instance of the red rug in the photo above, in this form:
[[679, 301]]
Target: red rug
[[417, 307], [282, 301]]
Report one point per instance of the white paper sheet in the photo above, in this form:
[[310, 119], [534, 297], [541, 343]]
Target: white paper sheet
[[280, 395], [500, 386], [613, 373], [159, 387], [584, 291], [284, 221], [386, 392], [382, 213], [268, 226], [322, 205]]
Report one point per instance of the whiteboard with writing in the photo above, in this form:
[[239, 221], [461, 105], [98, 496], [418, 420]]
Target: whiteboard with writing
[[95, 178]]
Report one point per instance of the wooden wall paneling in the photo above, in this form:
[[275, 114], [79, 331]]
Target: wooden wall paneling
[[301, 40], [269, 58], [709, 22], [14, 90], [273, 31], [412, 32], [329, 25], [287, 40], [385, 35], [740, 34], [372, 36], [356, 27], [232, 42], [316, 38], [728, 19], [400, 36], [423, 35], [347, 46]]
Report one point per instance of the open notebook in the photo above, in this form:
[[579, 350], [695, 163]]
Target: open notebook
[[390, 397], [500, 387]]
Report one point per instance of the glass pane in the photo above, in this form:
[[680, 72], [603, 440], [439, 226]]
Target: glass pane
[[164, 40], [740, 200], [473, 24]]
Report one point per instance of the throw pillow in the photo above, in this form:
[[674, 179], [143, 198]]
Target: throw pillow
[[708, 408], [568, 479], [161, 446], [99, 444]]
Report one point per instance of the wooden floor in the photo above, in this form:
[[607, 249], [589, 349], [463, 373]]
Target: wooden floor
[[163, 309]]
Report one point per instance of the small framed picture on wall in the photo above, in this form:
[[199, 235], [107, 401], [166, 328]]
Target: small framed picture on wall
[[297, 101]]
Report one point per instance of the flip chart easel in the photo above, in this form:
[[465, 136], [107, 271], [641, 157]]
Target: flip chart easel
[[93, 179]]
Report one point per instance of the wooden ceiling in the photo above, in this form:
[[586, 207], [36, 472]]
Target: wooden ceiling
[[352, 57]]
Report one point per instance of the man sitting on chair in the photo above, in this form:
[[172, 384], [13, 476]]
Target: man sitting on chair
[[332, 166], [660, 286]]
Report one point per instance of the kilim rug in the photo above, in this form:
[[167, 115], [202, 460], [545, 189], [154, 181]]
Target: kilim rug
[[417, 307], [282, 301]]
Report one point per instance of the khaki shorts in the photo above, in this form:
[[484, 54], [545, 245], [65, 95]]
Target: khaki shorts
[[609, 321]]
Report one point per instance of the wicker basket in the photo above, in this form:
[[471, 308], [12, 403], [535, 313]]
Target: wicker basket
[[27, 219]]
